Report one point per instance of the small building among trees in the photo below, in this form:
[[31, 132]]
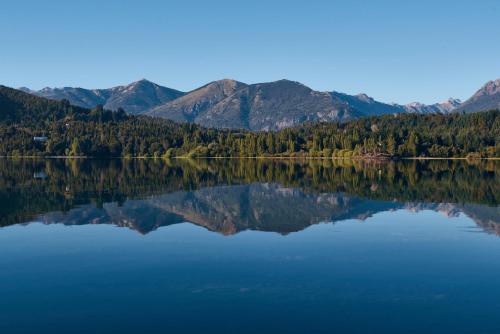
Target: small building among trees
[[40, 138]]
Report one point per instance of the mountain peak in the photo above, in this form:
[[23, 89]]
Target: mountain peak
[[490, 88], [26, 90], [225, 83], [143, 80], [224, 86], [140, 83], [365, 98], [452, 101], [487, 97], [286, 82], [290, 81]]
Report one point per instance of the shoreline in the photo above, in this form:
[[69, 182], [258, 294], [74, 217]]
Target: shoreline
[[253, 157]]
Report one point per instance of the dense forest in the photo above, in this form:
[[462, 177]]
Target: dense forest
[[66, 130]]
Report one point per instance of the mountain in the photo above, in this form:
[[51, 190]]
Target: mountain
[[199, 101], [140, 96], [488, 97], [134, 98], [263, 106]]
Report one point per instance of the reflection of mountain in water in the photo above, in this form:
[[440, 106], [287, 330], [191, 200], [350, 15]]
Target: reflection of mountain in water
[[261, 207], [229, 196]]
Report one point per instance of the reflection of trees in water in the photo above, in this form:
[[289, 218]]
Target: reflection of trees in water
[[70, 183]]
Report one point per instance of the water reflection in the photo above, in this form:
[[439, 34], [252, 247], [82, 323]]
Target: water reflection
[[229, 196]]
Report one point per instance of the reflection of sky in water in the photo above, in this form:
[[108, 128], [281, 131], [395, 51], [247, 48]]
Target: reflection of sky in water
[[397, 271]]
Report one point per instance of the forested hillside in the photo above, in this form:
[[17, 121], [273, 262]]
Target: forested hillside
[[75, 131]]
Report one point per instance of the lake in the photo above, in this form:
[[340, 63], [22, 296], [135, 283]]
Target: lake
[[249, 246]]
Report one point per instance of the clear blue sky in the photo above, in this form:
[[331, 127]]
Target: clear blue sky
[[396, 51]]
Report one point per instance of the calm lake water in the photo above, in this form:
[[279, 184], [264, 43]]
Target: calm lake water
[[249, 246]]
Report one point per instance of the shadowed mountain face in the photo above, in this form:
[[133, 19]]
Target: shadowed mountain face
[[230, 196], [134, 98]]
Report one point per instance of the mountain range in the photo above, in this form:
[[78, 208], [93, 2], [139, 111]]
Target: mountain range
[[263, 106]]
